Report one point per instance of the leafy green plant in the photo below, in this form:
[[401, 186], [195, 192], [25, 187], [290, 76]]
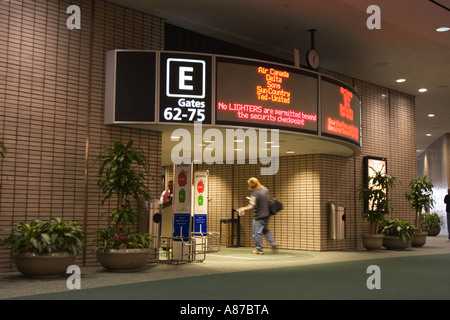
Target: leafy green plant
[[397, 228], [431, 220], [109, 239], [420, 198], [375, 194], [50, 236], [122, 174]]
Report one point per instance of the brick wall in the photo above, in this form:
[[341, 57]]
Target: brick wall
[[51, 121], [51, 109], [306, 184]]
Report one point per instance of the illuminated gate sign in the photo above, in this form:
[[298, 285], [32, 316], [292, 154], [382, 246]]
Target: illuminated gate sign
[[156, 87], [185, 88]]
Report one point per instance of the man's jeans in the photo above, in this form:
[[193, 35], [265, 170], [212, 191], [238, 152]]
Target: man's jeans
[[259, 228]]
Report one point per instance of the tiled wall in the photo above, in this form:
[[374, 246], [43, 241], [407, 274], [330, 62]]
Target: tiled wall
[[306, 184], [51, 120], [434, 163], [51, 109]]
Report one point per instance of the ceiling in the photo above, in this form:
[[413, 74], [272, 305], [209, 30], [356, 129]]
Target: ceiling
[[407, 45]]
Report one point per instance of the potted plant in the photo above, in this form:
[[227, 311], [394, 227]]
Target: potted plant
[[374, 193], [122, 173], [420, 198], [45, 248], [398, 234], [431, 223]]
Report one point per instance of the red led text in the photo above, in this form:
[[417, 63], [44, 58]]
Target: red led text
[[273, 90], [263, 114], [342, 128], [344, 109]]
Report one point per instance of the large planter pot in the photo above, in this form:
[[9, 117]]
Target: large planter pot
[[43, 265], [432, 231], [419, 239], [124, 260], [396, 243], [372, 241]]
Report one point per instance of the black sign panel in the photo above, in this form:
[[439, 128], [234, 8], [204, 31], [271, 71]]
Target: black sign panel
[[185, 88], [135, 86]]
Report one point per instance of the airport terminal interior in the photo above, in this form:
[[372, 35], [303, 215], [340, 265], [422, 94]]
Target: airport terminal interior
[[313, 98]]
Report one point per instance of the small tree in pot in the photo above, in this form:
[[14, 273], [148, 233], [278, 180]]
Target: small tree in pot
[[420, 197], [122, 175], [374, 193], [431, 223]]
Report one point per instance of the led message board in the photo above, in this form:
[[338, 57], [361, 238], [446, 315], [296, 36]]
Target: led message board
[[130, 86], [185, 88], [160, 87], [341, 111], [258, 94]]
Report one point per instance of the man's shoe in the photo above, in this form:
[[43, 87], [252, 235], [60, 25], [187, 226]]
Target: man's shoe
[[256, 251], [275, 248]]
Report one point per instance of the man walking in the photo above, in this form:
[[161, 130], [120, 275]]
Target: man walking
[[259, 202]]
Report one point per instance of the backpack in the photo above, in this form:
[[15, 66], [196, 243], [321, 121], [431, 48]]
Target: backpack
[[275, 206]]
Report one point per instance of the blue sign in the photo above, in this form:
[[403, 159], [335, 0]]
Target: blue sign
[[200, 223], [181, 224]]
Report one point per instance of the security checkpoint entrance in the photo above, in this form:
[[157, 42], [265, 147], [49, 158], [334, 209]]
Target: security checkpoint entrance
[[183, 233]]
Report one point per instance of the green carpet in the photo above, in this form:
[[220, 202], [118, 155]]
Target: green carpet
[[410, 278]]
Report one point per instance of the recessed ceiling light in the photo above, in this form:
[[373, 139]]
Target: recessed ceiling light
[[290, 151], [423, 90], [431, 115], [428, 134], [400, 80], [442, 29], [174, 138]]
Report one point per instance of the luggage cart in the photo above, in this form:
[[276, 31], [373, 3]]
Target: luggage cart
[[206, 242], [177, 250], [213, 242]]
